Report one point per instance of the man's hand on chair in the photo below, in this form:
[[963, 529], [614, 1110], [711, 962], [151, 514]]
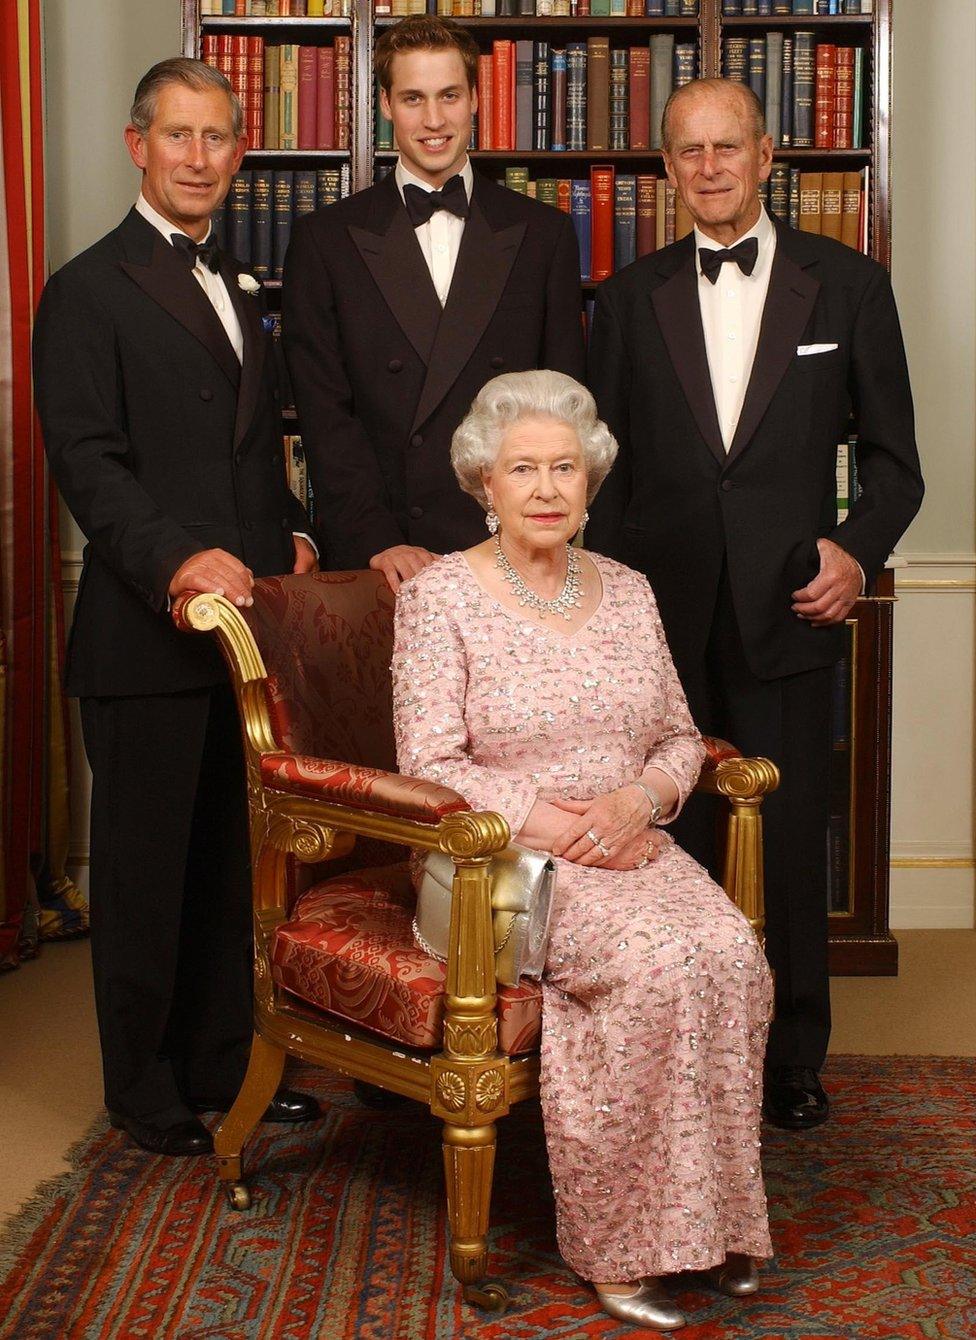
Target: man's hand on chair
[[401, 563], [214, 570]]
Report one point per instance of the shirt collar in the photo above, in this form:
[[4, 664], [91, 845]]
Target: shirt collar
[[161, 224], [404, 177], [762, 230]]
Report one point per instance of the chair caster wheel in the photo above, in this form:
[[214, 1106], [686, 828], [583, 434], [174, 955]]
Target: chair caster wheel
[[238, 1196], [489, 1295], [380, 1100]]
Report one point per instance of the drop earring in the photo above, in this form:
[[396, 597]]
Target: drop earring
[[584, 519], [491, 520]]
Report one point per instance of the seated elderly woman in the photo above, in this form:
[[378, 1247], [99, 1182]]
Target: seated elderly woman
[[534, 678]]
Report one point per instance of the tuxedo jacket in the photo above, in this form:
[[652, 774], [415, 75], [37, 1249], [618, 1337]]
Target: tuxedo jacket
[[162, 445], [678, 507], [383, 374]]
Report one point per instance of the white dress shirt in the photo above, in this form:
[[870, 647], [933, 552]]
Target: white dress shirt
[[440, 237], [731, 312], [212, 284]]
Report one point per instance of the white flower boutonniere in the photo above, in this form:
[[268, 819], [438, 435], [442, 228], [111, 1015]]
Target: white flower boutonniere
[[248, 284]]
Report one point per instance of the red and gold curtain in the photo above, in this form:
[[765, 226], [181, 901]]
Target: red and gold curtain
[[36, 897]]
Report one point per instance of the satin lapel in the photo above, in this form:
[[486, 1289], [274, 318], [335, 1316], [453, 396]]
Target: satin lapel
[[789, 302], [168, 281], [397, 264], [485, 260], [678, 312], [248, 311]]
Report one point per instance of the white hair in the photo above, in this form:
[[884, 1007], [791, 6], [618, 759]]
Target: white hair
[[514, 397]]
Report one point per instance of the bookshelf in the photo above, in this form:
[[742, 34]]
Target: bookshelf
[[860, 941]]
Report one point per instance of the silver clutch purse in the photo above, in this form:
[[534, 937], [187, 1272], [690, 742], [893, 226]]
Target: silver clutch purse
[[522, 883]]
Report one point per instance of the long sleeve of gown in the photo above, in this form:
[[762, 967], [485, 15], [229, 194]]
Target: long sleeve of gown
[[429, 686], [678, 750]]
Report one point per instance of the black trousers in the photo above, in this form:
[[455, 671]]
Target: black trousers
[[788, 721], [170, 899]]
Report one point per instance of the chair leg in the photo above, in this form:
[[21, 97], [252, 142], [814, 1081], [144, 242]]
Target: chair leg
[[264, 1071], [469, 1165]]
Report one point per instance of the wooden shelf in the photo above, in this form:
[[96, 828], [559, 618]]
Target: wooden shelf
[[553, 22], [298, 153], [802, 21], [225, 21]]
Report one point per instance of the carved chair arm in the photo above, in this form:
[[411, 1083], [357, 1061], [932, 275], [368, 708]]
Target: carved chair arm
[[359, 788]]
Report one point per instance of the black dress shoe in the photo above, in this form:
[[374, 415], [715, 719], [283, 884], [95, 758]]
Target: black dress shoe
[[794, 1098], [182, 1139], [381, 1100], [286, 1106]]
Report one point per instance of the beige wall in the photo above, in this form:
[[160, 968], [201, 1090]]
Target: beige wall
[[934, 268]]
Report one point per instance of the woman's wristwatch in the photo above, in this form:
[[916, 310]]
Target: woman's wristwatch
[[657, 809]]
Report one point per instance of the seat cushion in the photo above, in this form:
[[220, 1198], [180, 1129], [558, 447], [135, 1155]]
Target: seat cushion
[[348, 948]]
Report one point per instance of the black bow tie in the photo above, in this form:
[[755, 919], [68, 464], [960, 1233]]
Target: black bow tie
[[208, 253], [744, 254], [421, 204]]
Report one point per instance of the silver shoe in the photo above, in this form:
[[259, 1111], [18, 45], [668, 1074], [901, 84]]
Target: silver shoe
[[737, 1278], [650, 1307]]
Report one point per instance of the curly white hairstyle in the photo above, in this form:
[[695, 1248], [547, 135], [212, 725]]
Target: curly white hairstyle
[[516, 396]]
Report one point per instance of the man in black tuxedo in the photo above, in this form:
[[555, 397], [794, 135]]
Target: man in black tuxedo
[[727, 365], [156, 392], [403, 300]]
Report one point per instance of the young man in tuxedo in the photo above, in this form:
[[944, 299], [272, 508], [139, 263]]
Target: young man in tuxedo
[[400, 302], [727, 365], [156, 392]]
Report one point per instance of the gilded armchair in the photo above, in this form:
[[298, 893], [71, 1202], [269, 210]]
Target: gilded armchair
[[338, 979]]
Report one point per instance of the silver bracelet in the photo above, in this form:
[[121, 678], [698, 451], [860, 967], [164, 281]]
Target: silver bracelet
[[657, 809]]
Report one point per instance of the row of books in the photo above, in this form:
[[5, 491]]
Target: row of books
[[620, 217], [559, 9], [762, 9], [275, 9], [813, 92], [294, 97], [255, 222]]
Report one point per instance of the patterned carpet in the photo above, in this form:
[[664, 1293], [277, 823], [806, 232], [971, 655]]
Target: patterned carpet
[[874, 1227]]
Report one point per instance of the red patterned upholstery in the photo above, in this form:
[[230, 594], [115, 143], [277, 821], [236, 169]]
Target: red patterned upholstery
[[360, 788], [717, 751], [349, 949]]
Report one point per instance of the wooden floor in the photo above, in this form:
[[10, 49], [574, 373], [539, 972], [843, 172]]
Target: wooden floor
[[50, 1084]]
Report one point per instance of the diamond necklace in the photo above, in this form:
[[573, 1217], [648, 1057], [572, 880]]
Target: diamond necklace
[[569, 598]]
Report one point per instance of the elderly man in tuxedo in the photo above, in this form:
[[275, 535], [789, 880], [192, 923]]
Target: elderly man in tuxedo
[[403, 300], [157, 397], [727, 366]]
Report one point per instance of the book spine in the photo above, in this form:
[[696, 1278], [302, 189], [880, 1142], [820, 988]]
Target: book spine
[[545, 191], [624, 221], [517, 178], [640, 89], [305, 189], [786, 120], [850, 209], [794, 197], [660, 213], [581, 216], [683, 222], [502, 120], [825, 94], [804, 80], [272, 97], [559, 84], [564, 195], [811, 193], [325, 99], [576, 96], [601, 194], [757, 68], [598, 93], [306, 134], [831, 204], [343, 92], [646, 231], [524, 109], [262, 189], [283, 210], [288, 100], [238, 71], [857, 119], [619, 100], [540, 95], [779, 192], [239, 216], [328, 187], [774, 86], [254, 103], [486, 101], [844, 99], [669, 214], [662, 66], [735, 59], [685, 57]]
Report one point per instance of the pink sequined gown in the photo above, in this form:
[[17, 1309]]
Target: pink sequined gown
[[656, 995]]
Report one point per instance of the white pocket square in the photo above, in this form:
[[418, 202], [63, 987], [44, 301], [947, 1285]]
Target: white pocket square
[[804, 349]]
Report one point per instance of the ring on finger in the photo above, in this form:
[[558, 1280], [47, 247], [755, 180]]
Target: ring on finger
[[598, 842]]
